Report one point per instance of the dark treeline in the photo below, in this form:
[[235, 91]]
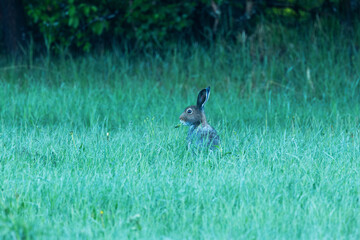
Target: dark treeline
[[81, 25]]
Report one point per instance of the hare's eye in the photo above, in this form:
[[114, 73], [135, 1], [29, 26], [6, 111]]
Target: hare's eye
[[189, 111]]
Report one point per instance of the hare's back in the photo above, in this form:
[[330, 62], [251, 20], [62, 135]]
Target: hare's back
[[211, 136], [214, 137]]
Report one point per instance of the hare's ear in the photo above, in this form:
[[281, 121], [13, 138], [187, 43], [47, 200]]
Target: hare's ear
[[203, 97]]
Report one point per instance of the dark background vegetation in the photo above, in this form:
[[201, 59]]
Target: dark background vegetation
[[81, 26]]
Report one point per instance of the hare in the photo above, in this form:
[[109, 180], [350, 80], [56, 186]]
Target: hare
[[200, 134]]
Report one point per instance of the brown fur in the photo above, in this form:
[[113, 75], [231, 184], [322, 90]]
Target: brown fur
[[196, 118]]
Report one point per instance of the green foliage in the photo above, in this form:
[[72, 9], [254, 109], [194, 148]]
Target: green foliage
[[154, 20], [79, 24], [68, 23]]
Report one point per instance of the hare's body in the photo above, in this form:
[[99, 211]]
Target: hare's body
[[200, 134]]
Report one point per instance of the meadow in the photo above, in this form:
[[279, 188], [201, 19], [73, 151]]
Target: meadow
[[88, 147]]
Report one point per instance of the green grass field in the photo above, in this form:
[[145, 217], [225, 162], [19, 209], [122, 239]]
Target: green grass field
[[88, 147]]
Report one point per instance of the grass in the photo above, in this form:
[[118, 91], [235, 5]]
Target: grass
[[88, 147]]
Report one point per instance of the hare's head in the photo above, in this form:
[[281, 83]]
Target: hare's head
[[195, 115]]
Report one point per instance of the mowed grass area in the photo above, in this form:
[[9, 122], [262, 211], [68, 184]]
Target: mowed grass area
[[88, 147]]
